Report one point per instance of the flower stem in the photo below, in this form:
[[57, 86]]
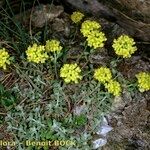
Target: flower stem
[[55, 65]]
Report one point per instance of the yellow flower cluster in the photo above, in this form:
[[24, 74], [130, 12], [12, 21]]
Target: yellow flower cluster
[[143, 81], [96, 39], [53, 46], [90, 30], [4, 58], [37, 54], [88, 27], [77, 16], [71, 72], [113, 87], [103, 74], [124, 46]]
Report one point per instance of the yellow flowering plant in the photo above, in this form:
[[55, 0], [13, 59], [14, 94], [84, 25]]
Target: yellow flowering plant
[[77, 16], [143, 81], [96, 39], [4, 58], [71, 73], [113, 87], [91, 30], [124, 46], [103, 74], [36, 53], [88, 27], [53, 46]]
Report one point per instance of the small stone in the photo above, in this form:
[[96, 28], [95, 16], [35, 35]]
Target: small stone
[[45, 14], [99, 143], [58, 25], [99, 57], [79, 109]]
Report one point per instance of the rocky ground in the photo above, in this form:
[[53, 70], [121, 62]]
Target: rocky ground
[[130, 115], [130, 122]]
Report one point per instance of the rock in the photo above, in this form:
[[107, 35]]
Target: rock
[[58, 25], [99, 56], [104, 128], [99, 143], [132, 15], [118, 103], [111, 29], [130, 67], [131, 127], [45, 14], [75, 52], [62, 25]]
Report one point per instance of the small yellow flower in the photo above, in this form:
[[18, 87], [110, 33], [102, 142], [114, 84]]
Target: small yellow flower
[[143, 81], [88, 26], [124, 46], [113, 87], [4, 58], [96, 39], [71, 72], [77, 16], [53, 46], [36, 54], [103, 74]]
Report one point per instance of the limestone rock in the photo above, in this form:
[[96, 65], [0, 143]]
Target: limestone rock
[[130, 126], [132, 15], [45, 14]]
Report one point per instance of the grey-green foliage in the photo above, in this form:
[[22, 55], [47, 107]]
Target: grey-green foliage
[[52, 120]]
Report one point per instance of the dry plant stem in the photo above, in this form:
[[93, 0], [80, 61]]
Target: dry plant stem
[[84, 65], [23, 101], [6, 77], [6, 43], [55, 65], [3, 113], [76, 31], [98, 86], [27, 78], [41, 102], [68, 103], [85, 47], [14, 83]]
